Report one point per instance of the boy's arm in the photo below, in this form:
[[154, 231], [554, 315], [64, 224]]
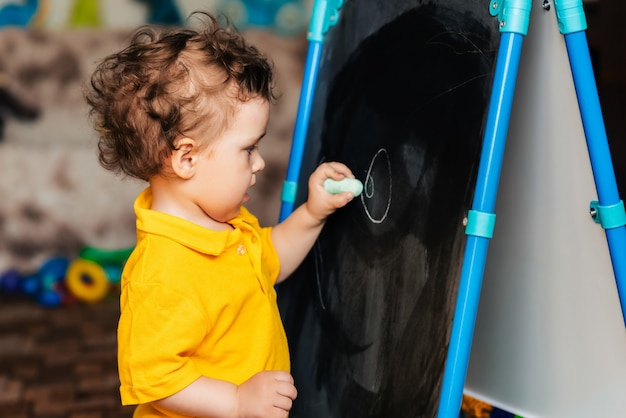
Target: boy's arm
[[294, 237], [265, 395]]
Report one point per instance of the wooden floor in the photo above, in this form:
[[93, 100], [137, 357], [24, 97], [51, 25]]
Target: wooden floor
[[59, 362]]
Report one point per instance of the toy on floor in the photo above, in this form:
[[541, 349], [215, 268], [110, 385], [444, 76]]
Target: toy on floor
[[95, 274], [44, 286], [285, 17], [91, 276]]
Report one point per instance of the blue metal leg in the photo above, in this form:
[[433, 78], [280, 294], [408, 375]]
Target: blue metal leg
[[476, 247], [325, 14], [572, 24], [300, 129], [599, 153]]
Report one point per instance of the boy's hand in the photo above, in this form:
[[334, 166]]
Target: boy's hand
[[267, 394], [320, 203]]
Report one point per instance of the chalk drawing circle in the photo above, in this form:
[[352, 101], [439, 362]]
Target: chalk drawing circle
[[369, 186]]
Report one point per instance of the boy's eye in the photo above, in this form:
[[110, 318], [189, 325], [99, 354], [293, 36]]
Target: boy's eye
[[251, 149]]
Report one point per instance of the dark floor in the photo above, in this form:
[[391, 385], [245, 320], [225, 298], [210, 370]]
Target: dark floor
[[59, 362]]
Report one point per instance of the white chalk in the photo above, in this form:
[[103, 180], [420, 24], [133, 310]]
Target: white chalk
[[353, 186]]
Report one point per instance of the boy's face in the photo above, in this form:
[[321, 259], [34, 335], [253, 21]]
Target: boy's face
[[227, 167]]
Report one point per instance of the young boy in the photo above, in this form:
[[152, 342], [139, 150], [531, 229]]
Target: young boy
[[199, 332]]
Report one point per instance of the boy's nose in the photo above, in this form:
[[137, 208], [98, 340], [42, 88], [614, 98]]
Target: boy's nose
[[259, 163]]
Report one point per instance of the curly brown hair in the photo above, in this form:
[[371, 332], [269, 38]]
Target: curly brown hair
[[168, 83]]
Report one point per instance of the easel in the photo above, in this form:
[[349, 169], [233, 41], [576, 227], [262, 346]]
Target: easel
[[514, 17]]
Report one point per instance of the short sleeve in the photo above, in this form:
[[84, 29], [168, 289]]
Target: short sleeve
[[158, 330]]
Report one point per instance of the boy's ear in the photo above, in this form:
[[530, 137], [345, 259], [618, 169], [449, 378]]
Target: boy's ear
[[184, 158]]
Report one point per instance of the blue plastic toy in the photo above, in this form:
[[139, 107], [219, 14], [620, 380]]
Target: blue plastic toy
[[89, 278], [46, 286], [51, 275], [10, 282]]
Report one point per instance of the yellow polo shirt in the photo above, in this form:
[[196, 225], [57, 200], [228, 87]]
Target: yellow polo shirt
[[196, 302]]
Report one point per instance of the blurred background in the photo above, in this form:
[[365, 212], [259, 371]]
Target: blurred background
[[57, 205], [55, 197]]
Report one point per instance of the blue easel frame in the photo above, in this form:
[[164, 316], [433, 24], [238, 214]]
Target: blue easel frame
[[514, 16], [325, 14]]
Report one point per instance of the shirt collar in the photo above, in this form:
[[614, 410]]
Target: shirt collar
[[186, 232]]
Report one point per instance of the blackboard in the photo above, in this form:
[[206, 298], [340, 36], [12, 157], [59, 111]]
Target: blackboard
[[401, 98]]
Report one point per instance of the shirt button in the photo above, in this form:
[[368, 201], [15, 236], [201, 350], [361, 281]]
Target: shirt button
[[241, 250]]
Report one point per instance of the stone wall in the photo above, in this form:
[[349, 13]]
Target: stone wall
[[54, 196]]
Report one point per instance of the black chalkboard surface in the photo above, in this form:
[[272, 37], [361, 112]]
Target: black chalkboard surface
[[401, 98]]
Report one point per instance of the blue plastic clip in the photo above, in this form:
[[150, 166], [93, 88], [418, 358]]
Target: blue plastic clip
[[570, 15], [325, 14], [513, 15], [609, 217], [480, 224], [290, 189]]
